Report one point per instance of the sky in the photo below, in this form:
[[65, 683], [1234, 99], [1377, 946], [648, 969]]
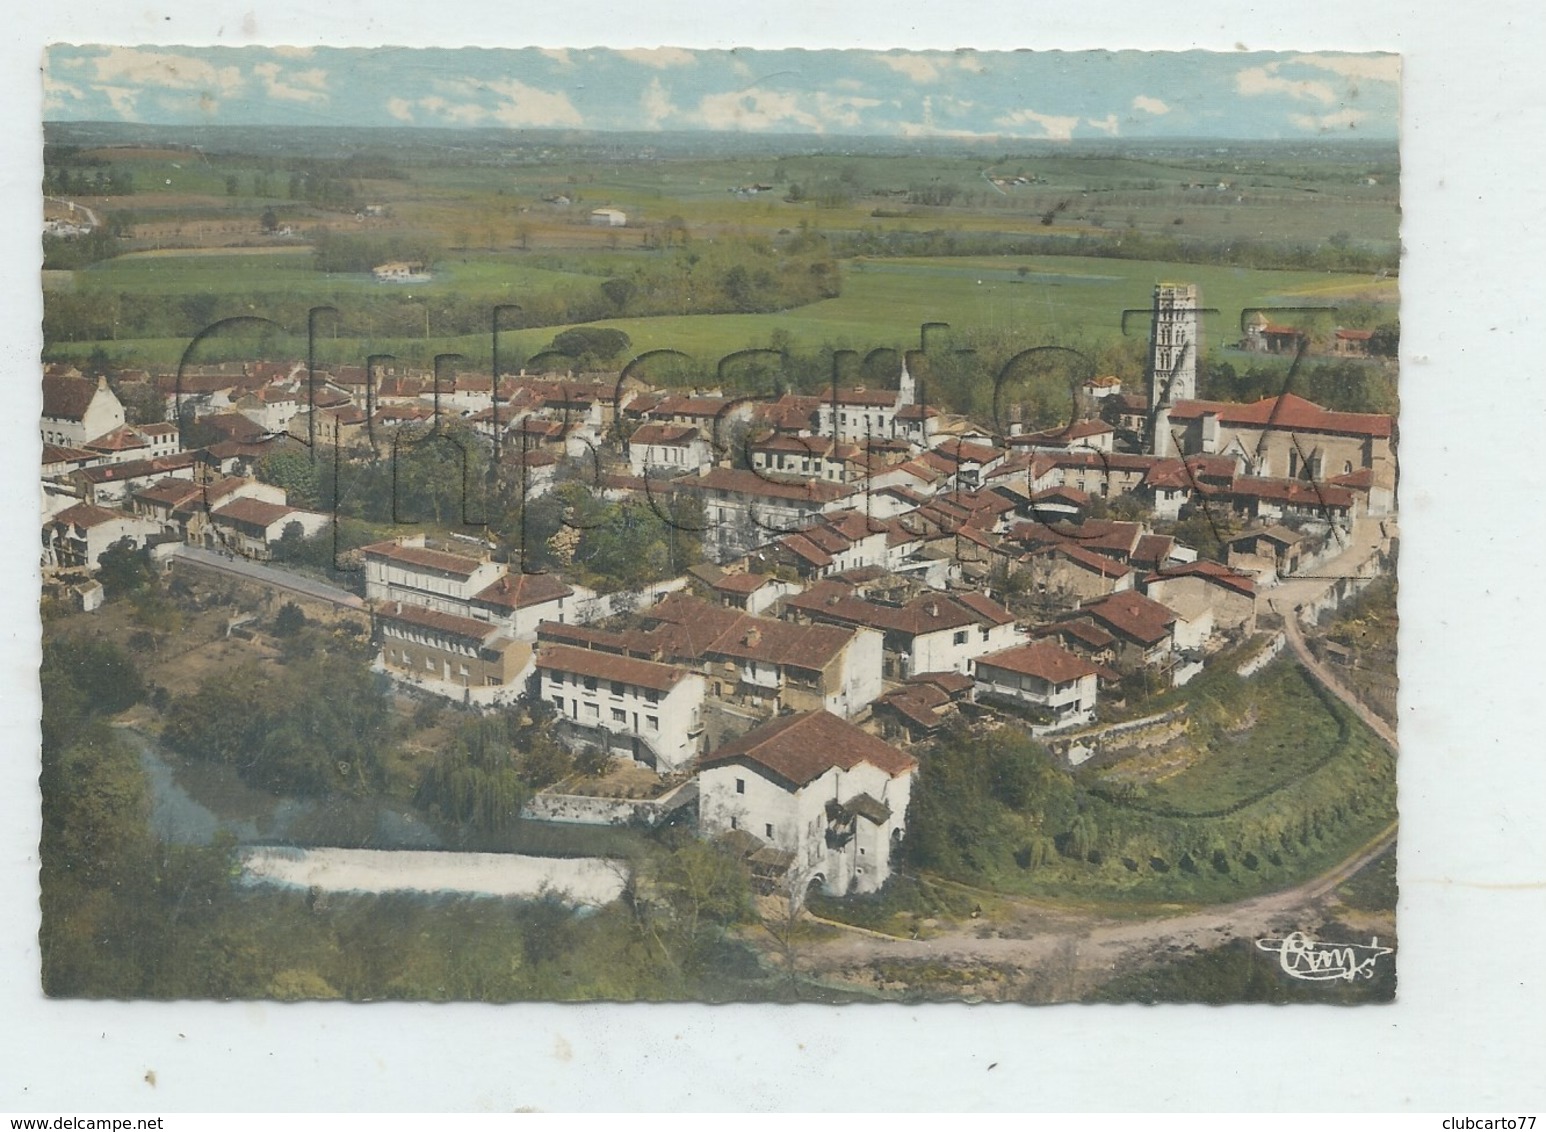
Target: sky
[[1048, 95]]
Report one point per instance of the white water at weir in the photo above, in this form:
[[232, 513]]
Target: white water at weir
[[576, 881]]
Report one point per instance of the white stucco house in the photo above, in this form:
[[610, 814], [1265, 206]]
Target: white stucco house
[[648, 711], [1043, 676], [830, 797]]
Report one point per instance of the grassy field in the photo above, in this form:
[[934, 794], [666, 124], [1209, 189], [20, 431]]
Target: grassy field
[[884, 301], [1270, 740]]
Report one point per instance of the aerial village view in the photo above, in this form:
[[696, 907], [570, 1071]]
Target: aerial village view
[[603, 525]]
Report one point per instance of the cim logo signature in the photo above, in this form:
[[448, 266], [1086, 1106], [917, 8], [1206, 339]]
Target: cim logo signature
[[1301, 957]]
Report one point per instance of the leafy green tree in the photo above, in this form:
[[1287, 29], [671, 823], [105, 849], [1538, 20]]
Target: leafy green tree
[[123, 569], [601, 343], [296, 472], [289, 620]]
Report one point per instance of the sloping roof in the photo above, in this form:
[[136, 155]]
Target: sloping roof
[[1132, 615], [1153, 550], [661, 433], [446, 624], [422, 558], [252, 511], [62, 454], [121, 439], [522, 590], [745, 482], [798, 749], [88, 515], [741, 583], [609, 666], [1048, 662], [67, 397], [926, 613], [1095, 563], [1297, 493], [1288, 411], [170, 492], [1081, 629], [1214, 572]]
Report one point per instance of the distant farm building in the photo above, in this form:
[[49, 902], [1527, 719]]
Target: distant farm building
[[608, 217], [401, 271]]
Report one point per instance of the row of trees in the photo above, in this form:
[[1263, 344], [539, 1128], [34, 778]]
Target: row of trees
[[1283, 255], [87, 180], [316, 726], [990, 808]]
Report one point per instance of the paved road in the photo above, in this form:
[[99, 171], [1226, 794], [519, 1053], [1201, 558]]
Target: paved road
[[269, 575], [1330, 682]]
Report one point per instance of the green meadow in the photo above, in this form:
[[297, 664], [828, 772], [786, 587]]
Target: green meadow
[[884, 302]]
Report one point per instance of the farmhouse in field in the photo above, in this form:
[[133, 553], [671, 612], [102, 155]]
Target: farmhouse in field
[[401, 271]]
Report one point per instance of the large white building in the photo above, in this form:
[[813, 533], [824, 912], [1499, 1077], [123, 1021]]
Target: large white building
[[830, 797], [77, 410], [407, 570], [648, 711]]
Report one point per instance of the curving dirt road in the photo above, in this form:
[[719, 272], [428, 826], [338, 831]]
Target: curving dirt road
[[1087, 948]]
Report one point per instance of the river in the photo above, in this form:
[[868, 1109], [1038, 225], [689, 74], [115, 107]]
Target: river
[[348, 845]]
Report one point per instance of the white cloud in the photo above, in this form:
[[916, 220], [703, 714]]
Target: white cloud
[[755, 109], [57, 93], [848, 84], [1266, 80], [842, 110], [660, 57], [1150, 105], [1325, 123], [656, 103], [559, 55], [400, 108], [1054, 127], [518, 105], [297, 86], [919, 68], [970, 61], [1367, 68], [121, 99], [131, 67], [528, 106], [1106, 125], [293, 52]]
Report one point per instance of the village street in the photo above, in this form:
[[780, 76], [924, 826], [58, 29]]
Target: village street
[[280, 579]]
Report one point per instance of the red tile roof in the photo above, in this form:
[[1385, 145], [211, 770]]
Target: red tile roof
[[926, 613], [653, 433], [67, 397], [446, 624], [121, 439], [439, 561], [1132, 615], [1297, 493], [87, 515], [1214, 572], [741, 481], [253, 512], [609, 666], [1288, 412], [519, 590], [1048, 662], [798, 749]]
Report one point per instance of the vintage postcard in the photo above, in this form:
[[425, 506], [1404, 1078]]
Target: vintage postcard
[[719, 525]]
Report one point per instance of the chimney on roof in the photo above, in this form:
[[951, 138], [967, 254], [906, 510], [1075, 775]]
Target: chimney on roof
[[932, 609], [753, 636]]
